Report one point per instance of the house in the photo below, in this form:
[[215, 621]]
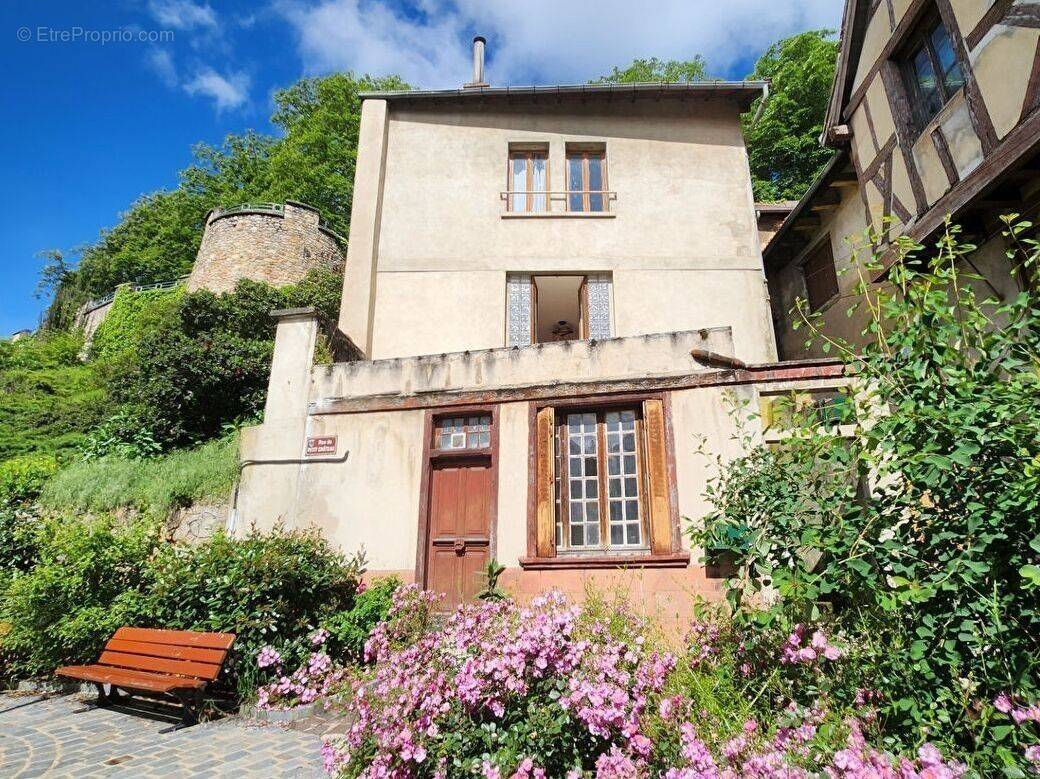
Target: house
[[933, 113], [549, 293]]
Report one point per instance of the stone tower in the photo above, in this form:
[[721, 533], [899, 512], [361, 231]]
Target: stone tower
[[270, 242]]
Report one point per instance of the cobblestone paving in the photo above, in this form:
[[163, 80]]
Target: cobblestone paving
[[56, 737]]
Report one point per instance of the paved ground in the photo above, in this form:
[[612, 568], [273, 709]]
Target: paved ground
[[41, 736]]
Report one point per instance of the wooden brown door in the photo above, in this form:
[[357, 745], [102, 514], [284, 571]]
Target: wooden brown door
[[459, 542]]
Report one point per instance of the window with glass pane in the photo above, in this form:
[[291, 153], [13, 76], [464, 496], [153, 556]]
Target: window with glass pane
[[468, 432], [599, 504], [528, 181], [586, 181], [932, 72]]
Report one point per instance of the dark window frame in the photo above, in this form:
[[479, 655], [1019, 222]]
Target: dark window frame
[[821, 290], [921, 40]]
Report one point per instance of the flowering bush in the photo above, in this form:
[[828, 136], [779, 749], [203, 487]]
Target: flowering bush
[[312, 681], [552, 689]]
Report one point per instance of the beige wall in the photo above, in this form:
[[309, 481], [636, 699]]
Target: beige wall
[[431, 242]]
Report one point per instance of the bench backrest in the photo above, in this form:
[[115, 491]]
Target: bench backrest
[[176, 652]]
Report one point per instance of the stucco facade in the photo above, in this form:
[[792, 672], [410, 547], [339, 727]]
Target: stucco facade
[[444, 286], [900, 168]]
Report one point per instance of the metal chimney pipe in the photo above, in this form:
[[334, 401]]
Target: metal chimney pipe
[[478, 62]]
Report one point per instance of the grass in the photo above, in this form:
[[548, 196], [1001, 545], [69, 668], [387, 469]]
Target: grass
[[157, 485]]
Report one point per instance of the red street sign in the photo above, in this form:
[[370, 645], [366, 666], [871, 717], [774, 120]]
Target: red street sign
[[323, 444]]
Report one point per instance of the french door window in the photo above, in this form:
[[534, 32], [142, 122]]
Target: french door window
[[528, 180], [600, 473], [586, 181]]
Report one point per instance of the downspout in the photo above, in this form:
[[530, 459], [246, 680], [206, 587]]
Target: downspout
[[761, 104], [233, 514]]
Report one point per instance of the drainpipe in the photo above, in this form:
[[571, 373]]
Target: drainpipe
[[761, 104]]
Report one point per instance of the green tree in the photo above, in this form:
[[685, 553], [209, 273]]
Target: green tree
[[315, 161], [653, 69], [783, 145]]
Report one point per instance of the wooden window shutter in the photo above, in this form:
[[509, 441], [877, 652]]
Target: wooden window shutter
[[545, 432], [660, 502]]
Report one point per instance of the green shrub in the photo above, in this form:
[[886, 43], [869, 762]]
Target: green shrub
[[931, 571], [87, 583], [93, 576], [180, 478], [50, 398], [19, 541], [131, 315], [270, 588], [22, 478], [207, 366], [349, 629]]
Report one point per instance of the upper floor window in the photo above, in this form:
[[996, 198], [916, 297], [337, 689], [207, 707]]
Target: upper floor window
[[586, 179], [529, 179], [821, 278], [931, 70]]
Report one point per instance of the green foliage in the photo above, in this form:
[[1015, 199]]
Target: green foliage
[[131, 315], [269, 589], [19, 541], [157, 238], [653, 69], [190, 365], [491, 591], [93, 576], [22, 478], [784, 150], [349, 629], [85, 585], [931, 568], [50, 398], [155, 486]]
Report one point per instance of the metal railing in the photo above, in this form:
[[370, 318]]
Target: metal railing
[[99, 302], [557, 195], [245, 208]]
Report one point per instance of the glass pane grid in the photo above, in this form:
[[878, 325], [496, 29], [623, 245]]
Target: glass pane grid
[[582, 480], [472, 432], [622, 479]]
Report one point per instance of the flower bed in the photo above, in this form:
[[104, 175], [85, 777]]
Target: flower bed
[[557, 690]]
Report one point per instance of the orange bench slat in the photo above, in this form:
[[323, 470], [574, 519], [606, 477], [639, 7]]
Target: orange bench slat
[[121, 677], [168, 651], [207, 671], [177, 637]]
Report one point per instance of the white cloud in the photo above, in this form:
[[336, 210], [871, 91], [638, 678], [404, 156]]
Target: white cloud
[[161, 61], [540, 41], [231, 91], [182, 14]]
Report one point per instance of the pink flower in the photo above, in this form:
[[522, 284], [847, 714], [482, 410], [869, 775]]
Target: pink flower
[[1002, 703]]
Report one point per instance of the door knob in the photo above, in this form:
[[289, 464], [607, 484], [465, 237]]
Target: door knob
[[460, 546]]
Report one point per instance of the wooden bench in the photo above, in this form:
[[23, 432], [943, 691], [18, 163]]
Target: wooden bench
[[179, 663]]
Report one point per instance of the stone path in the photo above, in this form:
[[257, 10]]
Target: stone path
[[54, 736]]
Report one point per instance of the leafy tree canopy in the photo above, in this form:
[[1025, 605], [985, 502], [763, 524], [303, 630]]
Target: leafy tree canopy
[[653, 69], [783, 145]]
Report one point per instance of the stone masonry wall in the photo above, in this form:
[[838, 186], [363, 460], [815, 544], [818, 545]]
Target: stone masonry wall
[[276, 248]]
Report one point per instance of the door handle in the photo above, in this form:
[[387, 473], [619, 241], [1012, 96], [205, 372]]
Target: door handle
[[459, 546]]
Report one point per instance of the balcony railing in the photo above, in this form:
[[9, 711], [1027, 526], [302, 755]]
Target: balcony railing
[[521, 201]]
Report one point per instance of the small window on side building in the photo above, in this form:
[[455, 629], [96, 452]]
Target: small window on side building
[[821, 278], [931, 71]]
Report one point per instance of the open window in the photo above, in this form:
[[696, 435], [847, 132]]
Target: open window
[[546, 308]]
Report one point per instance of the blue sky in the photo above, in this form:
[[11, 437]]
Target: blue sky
[[102, 101]]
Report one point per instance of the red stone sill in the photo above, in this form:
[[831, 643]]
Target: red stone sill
[[681, 560]]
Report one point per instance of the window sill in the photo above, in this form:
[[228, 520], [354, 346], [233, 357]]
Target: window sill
[[680, 560], [558, 215]]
